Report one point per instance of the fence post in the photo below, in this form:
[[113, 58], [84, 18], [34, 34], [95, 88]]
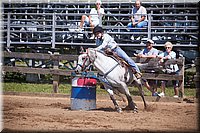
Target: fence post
[[181, 90], [197, 84], [55, 76], [197, 77]]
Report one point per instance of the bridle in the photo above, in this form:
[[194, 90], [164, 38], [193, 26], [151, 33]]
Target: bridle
[[84, 65]]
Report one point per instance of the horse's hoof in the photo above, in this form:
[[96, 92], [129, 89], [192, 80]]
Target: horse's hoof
[[119, 110], [135, 110], [127, 108]]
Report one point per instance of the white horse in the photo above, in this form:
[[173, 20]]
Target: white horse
[[115, 77]]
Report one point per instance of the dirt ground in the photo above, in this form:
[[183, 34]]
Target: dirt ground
[[52, 114]]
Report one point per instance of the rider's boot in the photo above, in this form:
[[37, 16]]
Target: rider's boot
[[138, 75]]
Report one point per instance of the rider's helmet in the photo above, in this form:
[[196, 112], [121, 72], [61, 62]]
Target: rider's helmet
[[97, 29]]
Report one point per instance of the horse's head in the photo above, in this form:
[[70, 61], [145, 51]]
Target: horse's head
[[83, 62], [92, 53]]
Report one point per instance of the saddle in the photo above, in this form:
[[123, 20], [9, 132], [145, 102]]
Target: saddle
[[122, 62]]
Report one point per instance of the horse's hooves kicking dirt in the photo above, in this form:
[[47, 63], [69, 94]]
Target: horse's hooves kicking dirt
[[151, 108], [158, 98], [127, 108]]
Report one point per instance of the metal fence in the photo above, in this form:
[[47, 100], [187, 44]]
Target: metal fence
[[52, 24]]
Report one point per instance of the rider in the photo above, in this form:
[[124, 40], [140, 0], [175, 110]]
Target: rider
[[104, 41]]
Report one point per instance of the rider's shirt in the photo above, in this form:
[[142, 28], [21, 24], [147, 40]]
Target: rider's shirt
[[108, 42]]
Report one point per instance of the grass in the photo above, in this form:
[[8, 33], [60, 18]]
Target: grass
[[66, 89]]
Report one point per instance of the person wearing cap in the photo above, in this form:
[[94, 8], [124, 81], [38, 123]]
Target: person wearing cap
[[138, 18], [94, 18], [105, 41], [149, 52], [172, 68]]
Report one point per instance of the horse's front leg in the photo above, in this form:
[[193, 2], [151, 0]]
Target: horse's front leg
[[119, 110]]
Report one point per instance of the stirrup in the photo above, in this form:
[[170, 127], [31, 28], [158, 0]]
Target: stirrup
[[138, 75]]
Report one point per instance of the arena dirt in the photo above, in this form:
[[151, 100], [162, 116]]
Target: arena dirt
[[49, 113]]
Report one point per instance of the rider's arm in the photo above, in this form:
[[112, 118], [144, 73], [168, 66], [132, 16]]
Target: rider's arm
[[102, 46], [106, 40]]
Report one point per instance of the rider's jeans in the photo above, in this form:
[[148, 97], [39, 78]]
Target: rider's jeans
[[123, 55]]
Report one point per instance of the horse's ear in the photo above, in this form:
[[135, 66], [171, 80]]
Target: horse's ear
[[81, 50]]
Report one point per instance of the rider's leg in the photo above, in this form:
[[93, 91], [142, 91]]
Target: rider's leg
[[123, 55]]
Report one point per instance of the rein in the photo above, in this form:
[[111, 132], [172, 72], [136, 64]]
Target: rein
[[83, 66]]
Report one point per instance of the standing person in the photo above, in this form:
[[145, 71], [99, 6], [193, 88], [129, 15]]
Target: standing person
[[93, 19], [104, 41], [149, 52], [173, 68], [138, 18]]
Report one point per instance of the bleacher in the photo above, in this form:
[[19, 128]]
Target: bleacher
[[52, 23]]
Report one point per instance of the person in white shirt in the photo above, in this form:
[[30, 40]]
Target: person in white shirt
[[173, 68], [138, 18], [94, 18]]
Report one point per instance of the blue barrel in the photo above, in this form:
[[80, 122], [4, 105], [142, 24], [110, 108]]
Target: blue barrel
[[83, 94]]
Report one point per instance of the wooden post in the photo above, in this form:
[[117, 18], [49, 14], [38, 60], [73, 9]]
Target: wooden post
[[181, 82], [197, 77], [197, 84], [55, 76]]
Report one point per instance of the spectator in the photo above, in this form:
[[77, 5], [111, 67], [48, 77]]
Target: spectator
[[93, 19], [149, 52], [104, 42], [139, 18], [173, 68]]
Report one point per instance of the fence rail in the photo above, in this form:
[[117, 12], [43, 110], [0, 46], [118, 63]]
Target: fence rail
[[55, 70]]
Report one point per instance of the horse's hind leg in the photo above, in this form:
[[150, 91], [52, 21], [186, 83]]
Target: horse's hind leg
[[125, 91], [139, 85], [131, 104]]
